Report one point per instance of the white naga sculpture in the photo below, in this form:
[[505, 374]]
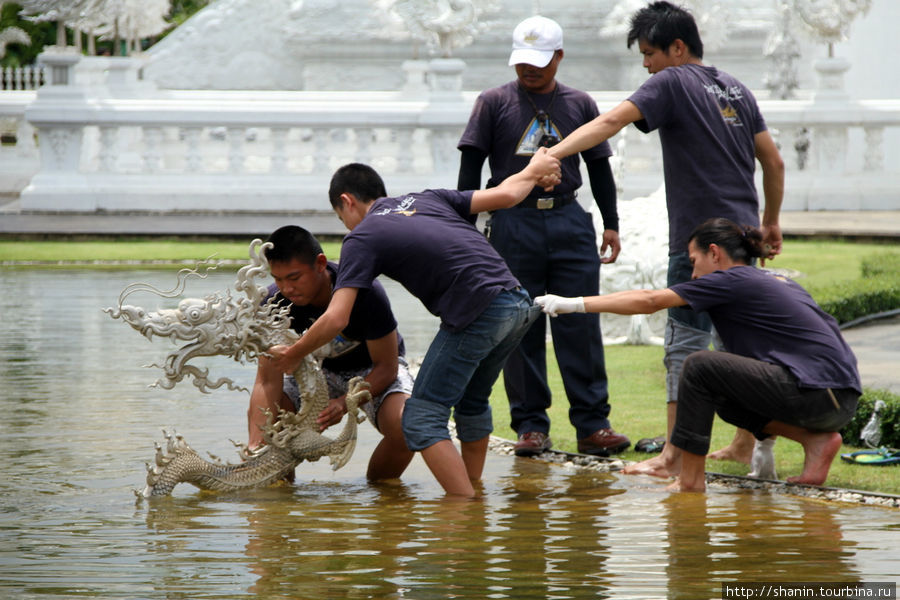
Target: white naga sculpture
[[442, 25], [241, 328]]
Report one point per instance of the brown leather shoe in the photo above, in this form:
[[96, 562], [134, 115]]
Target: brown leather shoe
[[603, 442], [532, 444]]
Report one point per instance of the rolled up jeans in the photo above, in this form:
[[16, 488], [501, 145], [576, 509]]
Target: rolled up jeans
[[459, 371], [687, 331]]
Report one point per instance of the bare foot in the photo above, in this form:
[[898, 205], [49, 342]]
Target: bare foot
[[739, 450], [664, 465], [820, 452], [681, 486]]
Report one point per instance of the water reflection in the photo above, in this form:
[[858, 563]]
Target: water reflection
[[79, 421], [731, 535]]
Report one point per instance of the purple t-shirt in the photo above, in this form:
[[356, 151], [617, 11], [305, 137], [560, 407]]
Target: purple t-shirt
[[503, 124], [426, 242], [770, 318], [707, 121]]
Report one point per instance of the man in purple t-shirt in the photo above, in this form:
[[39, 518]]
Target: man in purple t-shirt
[[427, 242], [548, 240], [711, 130]]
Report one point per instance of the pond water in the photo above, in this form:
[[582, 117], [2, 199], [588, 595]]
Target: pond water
[[78, 423]]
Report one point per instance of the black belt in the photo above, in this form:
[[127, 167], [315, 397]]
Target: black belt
[[548, 202]]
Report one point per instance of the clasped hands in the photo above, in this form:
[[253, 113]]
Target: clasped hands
[[546, 168]]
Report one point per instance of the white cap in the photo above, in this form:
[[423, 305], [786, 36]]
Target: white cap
[[535, 40]]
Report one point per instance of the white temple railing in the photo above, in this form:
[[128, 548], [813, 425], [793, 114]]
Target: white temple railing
[[118, 145], [28, 77]]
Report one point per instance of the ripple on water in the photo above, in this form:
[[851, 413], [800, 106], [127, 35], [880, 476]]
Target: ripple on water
[[79, 422]]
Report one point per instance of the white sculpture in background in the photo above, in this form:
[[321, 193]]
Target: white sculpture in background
[[783, 49], [442, 25], [830, 20], [713, 20], [642, 264], [128, 20]]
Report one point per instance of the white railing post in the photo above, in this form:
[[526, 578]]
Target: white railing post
[[873, 153], [279, 161], [193, 160], [60, 141], [236, 156], [151, 156], [108, 151]]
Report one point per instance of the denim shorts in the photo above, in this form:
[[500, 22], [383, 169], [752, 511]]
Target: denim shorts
[[459, 371], [680, 270], [337, 386]]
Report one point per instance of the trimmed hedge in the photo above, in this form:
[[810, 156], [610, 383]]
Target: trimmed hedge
[[849, 300], [890, 418], [877, 291]]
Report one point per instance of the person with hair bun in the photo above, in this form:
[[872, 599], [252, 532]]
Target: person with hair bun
[[786, 369], [712, 135]]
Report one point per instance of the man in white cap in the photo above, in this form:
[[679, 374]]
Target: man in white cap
[[548, 240]]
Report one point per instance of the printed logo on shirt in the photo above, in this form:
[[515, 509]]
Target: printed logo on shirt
[[403, 208], [540, 133], [339, 346], [724, 98]]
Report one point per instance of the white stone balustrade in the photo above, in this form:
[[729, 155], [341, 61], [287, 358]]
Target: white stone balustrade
[[18, 153], [840, 154], [122, 146], [28, 77]]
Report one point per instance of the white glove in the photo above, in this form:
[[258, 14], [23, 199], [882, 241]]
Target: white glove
[[557, 305]]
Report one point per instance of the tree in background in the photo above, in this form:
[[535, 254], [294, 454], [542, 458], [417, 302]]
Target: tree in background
[[11, 35], [109, 26]]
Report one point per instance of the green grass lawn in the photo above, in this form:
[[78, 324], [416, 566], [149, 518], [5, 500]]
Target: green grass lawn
[[637, 393], [636, 373], [128, 251]]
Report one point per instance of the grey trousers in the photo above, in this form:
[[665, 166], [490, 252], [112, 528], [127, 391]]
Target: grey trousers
[[750, 394]]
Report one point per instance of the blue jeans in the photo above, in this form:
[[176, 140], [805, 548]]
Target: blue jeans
[[554, 251], [687, 331], [460, 369]]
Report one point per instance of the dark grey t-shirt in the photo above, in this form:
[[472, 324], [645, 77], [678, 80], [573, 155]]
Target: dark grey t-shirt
[[370, 319], [503, 124], [707, 121], [770, 318], [426, 242]]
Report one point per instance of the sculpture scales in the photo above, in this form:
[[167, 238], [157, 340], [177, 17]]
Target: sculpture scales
[[241, 328]]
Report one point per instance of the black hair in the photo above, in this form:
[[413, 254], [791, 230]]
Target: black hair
[[661, 23], [291, 242], [741, 244], [358, 179]]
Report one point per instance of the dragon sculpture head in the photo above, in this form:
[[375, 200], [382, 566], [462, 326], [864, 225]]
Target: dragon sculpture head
[[218, 324]]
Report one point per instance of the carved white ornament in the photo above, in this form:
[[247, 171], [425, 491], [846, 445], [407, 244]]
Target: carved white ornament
[[441, 25], [830, 20]]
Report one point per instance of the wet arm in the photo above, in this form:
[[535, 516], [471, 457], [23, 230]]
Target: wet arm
[[598, 130], [383, 352], [326, 328]]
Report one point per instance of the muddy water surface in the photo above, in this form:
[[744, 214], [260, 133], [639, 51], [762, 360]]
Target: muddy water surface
[[78, 423]]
